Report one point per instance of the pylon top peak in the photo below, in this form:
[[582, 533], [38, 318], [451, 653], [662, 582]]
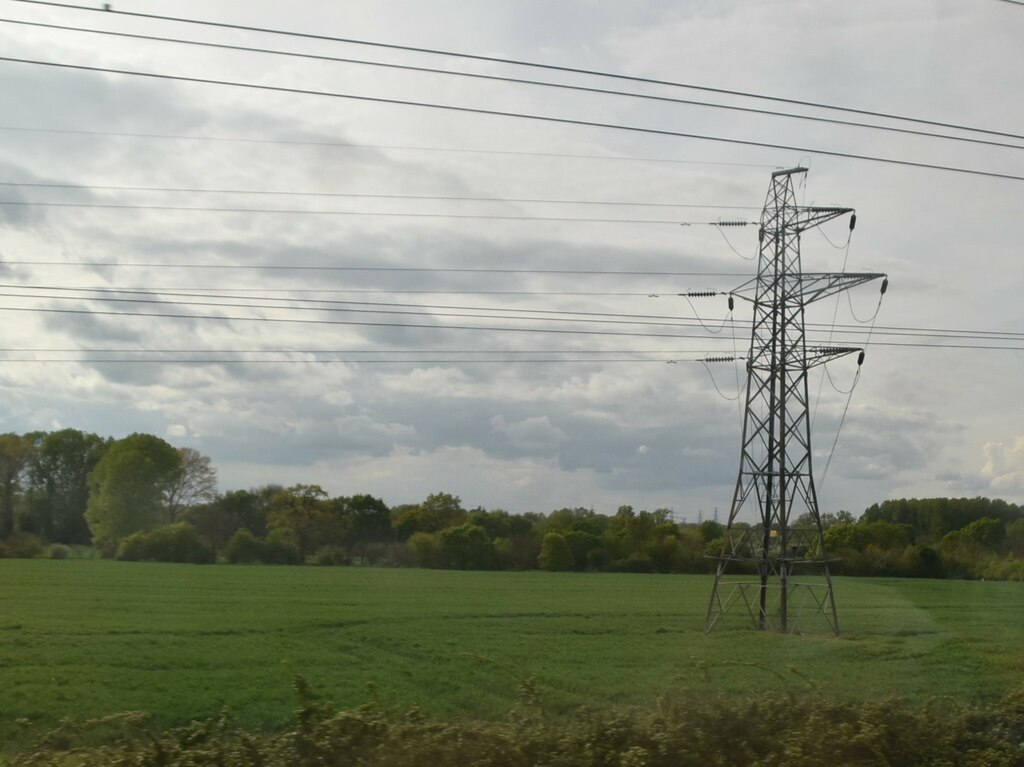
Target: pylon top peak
[[789, 171]]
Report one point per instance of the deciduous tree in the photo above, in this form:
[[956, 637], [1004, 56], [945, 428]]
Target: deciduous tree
[[58, 486], [128, 487], [15, 453]]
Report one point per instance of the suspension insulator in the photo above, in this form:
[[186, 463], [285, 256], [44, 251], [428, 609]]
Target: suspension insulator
[[760, 235], [853, 221], [885, 285], [731, 303], [750, 366], [860, 358]]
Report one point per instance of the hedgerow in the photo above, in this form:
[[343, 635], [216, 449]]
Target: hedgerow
[[792, 730]]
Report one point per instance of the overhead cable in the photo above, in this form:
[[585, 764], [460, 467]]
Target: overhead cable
[[519, 63], [364, 145], [515, 115], [366, 195], [521, 81]]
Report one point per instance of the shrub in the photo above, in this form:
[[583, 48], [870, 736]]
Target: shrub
[[281, 548], [424, 549], [174, 543], [332, 555], [638, 563], [21, 545], [59, 551], [278, 548], [244, 548], [679, 732]]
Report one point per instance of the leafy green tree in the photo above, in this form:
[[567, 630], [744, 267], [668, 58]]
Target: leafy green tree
[[467, 547], [518, 551], [218, 520], [666, 554], [128, 487], [438, 511], [1015, 538], [555, 554], [932, 518], [987, 532], [581, 543], [369, 524], [579, 518], [58, 483], [244, 548], [425, 549], [858, 536], [828, 519], [499, 523], [711, 530], [15, 454], [303, 511]]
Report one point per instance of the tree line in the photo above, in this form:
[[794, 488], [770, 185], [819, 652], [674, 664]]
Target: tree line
[[140, 498]]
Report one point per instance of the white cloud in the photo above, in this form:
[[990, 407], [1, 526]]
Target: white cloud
[[1004, 467], [403, 379]]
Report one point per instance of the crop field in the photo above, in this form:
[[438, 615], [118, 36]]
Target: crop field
[[84, 639]]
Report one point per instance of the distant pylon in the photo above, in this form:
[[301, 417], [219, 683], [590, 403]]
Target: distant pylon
[[775, 458]]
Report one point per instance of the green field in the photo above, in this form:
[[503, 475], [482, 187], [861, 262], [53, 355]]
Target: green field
[[87, 638]]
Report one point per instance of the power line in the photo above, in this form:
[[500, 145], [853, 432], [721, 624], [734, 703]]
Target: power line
[[202, 291], [533, 315], [338, 305], [411, 361], [520, 81], [515, 115], [478, 328], [366, 195], [363, 145], [354, 323], [592, 318], [375, 214], [523, 63], [510, 352], [413, 269]]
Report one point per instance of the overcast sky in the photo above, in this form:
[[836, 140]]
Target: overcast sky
[[389, 354]]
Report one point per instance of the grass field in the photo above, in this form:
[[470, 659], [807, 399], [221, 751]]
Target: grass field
[[87, 638]]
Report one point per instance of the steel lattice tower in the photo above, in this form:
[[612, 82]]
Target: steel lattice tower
[[775, 459]]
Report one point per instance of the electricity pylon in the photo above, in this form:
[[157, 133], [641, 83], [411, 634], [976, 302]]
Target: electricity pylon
[[775, 459]]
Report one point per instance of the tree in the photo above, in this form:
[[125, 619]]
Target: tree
[[195, 482], [1015, 538], [15, 453], [218, 520], [58, 483], [304, 512], [128, 487], [438, 511], [555, 554], [467, 547], [986, 532]]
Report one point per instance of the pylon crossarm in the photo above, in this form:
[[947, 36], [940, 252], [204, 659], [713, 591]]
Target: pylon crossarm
[[819, 355], [806, 217], [812, 286]]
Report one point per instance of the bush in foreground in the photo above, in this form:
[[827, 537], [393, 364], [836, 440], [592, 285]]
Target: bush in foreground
[[797, 732]]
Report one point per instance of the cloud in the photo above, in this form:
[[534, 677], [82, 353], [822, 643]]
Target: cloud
[[418, 403], [1004, 467], [530, 435]]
